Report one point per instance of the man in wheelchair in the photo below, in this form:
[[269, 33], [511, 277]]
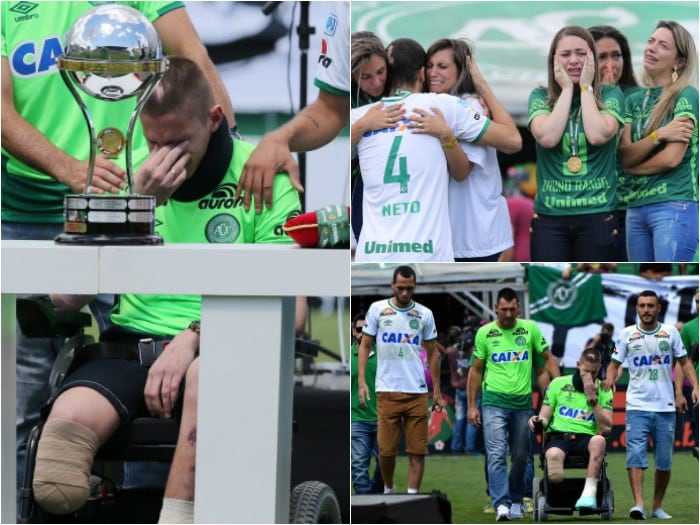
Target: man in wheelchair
[[192, 155], [574, 410]]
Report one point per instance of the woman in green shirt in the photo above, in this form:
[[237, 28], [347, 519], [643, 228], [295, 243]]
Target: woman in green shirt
[[575, 121], [659, 147], [615, 68]]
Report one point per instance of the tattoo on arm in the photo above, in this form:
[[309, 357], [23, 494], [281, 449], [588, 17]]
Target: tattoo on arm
[[315, 122]]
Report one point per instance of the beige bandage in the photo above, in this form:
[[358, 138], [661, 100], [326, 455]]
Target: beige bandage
[[63, 462], [555, 469]]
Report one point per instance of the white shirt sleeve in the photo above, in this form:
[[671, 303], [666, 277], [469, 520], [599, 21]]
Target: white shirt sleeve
[[333, 69]]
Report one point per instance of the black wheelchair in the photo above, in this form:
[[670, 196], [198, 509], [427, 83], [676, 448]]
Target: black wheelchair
[[560, 498], [148, 439]]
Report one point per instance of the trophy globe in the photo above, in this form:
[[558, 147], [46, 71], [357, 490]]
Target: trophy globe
[[111, 53]]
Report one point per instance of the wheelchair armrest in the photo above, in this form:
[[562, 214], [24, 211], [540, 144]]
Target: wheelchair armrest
[[37, 317], [305, 348]]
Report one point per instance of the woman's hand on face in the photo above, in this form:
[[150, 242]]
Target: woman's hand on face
[[588, 70], [379, 117], [607, 75], [475, 73], [561, 77], [433, 124]]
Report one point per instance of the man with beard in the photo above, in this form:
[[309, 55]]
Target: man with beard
[[399, 326], [650, 349]]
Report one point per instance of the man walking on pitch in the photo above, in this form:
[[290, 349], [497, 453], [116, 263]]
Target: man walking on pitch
[[503, 362], [399, 326], [650, 349]]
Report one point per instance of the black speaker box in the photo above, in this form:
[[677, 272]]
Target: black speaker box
[[401, 508], [321, 441]]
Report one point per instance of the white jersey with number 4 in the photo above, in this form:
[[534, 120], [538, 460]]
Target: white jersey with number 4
[[649, 358], [398, 334], [405, 176]]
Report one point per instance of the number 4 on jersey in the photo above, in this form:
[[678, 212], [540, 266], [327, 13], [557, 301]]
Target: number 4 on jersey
[[402, 177]]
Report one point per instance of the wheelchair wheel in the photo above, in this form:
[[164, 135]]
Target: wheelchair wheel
[[610, 503], [535, 497], [314, 502], [539, 508]]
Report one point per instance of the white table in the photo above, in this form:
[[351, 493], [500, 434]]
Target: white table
[[244, 429]]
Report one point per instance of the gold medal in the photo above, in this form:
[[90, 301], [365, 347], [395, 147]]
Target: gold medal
[[574, 164], [110, 142]]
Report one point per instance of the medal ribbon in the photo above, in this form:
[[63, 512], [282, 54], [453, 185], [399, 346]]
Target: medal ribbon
[[573, 132], [640, 125]]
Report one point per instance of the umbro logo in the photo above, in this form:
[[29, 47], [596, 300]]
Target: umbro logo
[[24, 8]]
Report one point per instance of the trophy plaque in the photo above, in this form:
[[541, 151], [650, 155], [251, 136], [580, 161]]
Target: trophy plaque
[[112, 52]]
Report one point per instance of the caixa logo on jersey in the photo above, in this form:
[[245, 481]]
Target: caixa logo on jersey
[[652, 360], [221, 198], [401, 337], [512, 356], [576, 413], [31, 58]]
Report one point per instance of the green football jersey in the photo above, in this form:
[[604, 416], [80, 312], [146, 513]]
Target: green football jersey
[[215, 218], [32, 39], [593, 188], [508, 360], [676, 184], [572, 413]]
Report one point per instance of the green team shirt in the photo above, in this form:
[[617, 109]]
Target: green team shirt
[[508, 361], [594, 188], [357, 411], [572, 413], [625, 182], [32, 39], [689, 335], [679, 183], [215, 218]]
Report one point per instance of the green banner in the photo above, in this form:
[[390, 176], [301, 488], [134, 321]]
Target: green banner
[[511, 39], [574, 301]]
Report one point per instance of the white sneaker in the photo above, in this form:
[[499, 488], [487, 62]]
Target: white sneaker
[[388, 490], [503, 513], [516, 512]]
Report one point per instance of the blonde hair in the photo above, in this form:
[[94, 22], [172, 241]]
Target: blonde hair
[[687, 74]]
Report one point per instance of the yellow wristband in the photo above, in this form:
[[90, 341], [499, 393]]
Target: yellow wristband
[[586, 88], [450, 143], [654, 138]]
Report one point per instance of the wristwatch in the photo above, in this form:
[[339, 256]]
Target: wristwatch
[[195, 327]]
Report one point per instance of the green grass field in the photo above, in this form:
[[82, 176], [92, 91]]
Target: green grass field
[[324, 328], [461, 478]]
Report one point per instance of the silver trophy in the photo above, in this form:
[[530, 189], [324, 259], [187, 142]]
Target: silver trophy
[[112, 52]]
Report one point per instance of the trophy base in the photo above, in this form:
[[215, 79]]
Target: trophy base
[[109, 240], [109, 220]]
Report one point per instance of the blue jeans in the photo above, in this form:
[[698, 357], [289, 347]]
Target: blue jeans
[[364, 447], [530, 469], [458, 437], [667, 231], [500, 424], [35, 356], [660, 426]]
